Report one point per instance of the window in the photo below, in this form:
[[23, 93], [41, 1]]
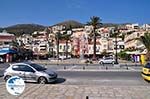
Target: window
[[147, 65], [138, 34], [6, 43], [38, 67], [64, 47], [105, 46], [16, 68], [60, 47], [121, 46], [42, 49], [107, 35], [89, 48], [24, 68]]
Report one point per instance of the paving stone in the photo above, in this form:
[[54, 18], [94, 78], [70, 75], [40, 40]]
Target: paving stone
[[36, 91]]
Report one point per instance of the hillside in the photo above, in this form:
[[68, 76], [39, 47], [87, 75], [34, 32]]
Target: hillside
[[72, 23], [30, 28], [23, 28], [76, 24]]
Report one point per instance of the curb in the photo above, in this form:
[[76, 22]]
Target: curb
[[101, 70]]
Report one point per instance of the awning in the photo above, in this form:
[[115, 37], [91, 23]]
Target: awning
[[133, 52], [9, 51]]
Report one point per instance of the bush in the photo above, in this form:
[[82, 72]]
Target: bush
[[124, 55]]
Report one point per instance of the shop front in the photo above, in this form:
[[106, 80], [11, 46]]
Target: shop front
[[7, 54]]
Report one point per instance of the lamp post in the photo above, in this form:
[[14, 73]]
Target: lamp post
[[57, 40], [116, 55]]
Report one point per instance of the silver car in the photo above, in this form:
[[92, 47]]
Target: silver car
[[30, 72]]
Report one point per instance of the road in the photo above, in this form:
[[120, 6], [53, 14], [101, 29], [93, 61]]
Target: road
[[94, 74], [102, 78], [94, 81], [112, 78]]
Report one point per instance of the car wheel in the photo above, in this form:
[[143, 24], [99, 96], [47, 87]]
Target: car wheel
[[42, 80], [7, 77], [101, 62]]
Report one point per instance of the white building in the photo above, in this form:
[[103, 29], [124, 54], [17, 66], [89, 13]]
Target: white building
[[63, 48], [146, 27], [131, 41], [120, 45], [104, 32]]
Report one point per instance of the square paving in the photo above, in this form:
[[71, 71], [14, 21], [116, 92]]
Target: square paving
[[57, 91]]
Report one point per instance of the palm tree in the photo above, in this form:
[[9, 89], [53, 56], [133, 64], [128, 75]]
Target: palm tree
[[95, 22], [146, 42]]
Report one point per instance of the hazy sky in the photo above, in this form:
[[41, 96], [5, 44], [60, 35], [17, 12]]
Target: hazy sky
[[49, 12]]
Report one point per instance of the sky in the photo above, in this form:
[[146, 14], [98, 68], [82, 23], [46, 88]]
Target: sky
[[50, 12]]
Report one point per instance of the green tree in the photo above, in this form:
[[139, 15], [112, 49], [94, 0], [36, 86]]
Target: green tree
[[95, 22], [146, 42], [124, 55]]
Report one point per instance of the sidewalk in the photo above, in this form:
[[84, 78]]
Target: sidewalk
[[49, 91], [76, 61]]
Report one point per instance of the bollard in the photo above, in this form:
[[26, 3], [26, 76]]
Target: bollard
[[106, 67], [127, 68], [120, 66], [64, 67], [87, 97], [83, 67], [86, 64], [136, 64]]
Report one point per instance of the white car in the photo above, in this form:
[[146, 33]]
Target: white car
[[107, 61], [64, 57], [30, 72]]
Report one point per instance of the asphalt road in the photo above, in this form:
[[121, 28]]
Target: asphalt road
[[107, 78], [112, 78], [96, 77]]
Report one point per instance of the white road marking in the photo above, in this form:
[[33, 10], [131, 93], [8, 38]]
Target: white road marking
[[72, 67], [134, 69]]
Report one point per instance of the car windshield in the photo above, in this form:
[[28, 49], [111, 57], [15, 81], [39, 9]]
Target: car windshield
[[38, 67], [147, 65]]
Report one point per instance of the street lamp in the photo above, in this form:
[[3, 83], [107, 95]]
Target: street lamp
[[116, 55], [57, 40]]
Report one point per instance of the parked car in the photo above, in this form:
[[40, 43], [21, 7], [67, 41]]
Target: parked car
[[30, 72], [64, 57], [146, 72], [107, 60]]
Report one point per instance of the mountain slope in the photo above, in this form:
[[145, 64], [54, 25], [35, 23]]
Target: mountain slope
[[24, 28], [72, 23]]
